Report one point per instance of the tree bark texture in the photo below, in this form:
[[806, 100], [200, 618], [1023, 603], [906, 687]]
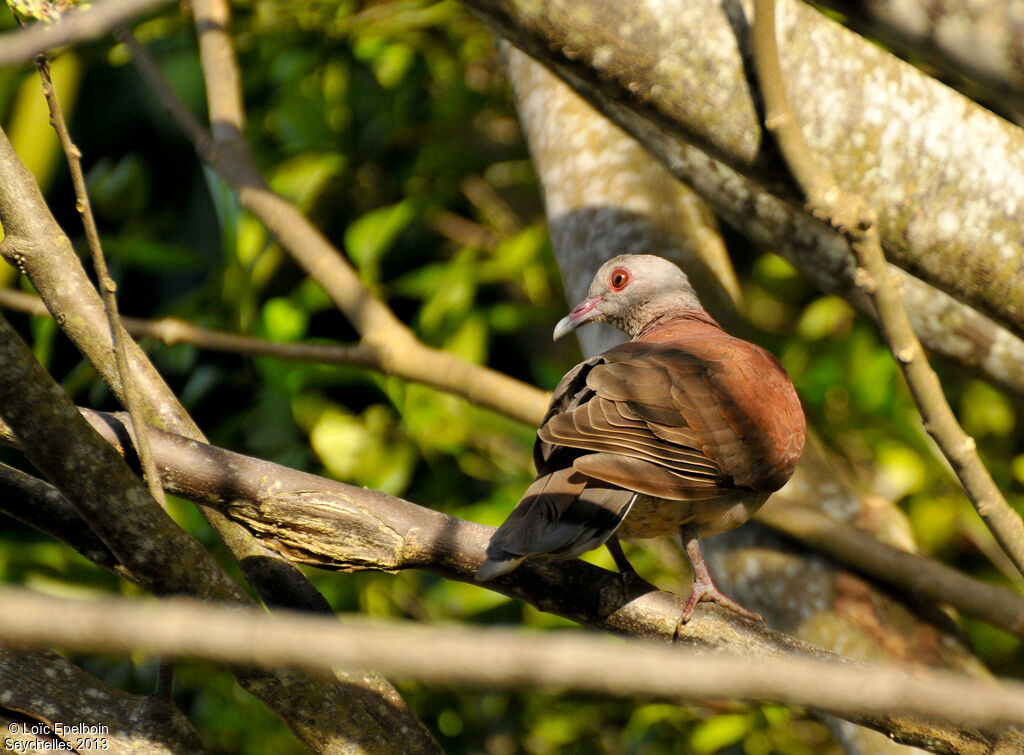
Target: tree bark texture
[[944, 174]]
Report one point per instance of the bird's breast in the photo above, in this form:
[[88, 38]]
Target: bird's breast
[[656, 517]]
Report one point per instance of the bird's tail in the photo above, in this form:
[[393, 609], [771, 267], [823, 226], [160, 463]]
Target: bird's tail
[[495, 567]]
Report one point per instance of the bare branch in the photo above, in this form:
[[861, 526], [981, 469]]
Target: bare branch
[[90, 22], [220, 70], [171, 330], [921, 579], [512, 659], [195, 471], [972, 43], [108, 289], [394, 347], [850, 216]]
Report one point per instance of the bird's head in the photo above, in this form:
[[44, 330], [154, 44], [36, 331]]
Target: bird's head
[[630, 292]]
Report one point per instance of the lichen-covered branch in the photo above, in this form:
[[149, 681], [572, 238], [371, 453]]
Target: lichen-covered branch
[[849, 214], [914, 149], [49, 688], [972, 43]]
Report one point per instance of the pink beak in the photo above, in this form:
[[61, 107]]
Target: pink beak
[[582, 313]]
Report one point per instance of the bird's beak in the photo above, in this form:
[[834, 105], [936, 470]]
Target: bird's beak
[[582, 313]]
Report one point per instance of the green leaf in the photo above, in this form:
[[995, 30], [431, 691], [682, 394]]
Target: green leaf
[[986, 411], [370, 236], [719, 732], [153, 256], [470, 340], [303, 178], [282, 320], [901, 471], [392, 63], [368, 449], [826, 316]]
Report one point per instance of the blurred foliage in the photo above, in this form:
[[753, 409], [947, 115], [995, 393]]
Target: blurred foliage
[[389, 124]]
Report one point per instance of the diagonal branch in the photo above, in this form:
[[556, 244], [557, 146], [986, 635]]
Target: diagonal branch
[[848, 214], [108, 289], [51, 689], [394, 348], [81, 25], [170, 331]]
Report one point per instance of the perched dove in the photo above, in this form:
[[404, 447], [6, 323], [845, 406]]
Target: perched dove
[[684, 429]]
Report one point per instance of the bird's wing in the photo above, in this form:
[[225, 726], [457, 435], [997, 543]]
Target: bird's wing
[[570, 392], [675, 420]]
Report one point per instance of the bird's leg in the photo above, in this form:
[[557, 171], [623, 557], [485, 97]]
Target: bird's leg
[[704, 588], [626, 571]]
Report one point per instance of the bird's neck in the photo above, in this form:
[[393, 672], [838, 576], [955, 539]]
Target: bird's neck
[[663, 327]]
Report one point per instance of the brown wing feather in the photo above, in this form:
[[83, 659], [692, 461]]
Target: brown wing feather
[[691, 411]]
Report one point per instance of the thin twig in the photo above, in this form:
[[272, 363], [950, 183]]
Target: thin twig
[[848, 214], [108, 289], [394, 347], [171, 330]]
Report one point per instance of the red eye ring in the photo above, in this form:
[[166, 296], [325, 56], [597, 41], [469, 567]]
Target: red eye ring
[[619, 278]]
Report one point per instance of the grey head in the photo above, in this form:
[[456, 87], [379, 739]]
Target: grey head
[[631, 292]]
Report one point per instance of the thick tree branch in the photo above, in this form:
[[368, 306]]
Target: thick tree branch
[[849, 215], [51, 689], [888, 125], [511, 659], [972, 43], [192, 469], [90, 22]]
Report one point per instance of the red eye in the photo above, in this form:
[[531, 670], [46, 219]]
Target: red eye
[[619, 278]]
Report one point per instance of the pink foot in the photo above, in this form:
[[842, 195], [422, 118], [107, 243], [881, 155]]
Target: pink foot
[[704, 588]]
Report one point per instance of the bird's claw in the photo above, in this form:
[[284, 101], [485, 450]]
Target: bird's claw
[[709, 593]]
